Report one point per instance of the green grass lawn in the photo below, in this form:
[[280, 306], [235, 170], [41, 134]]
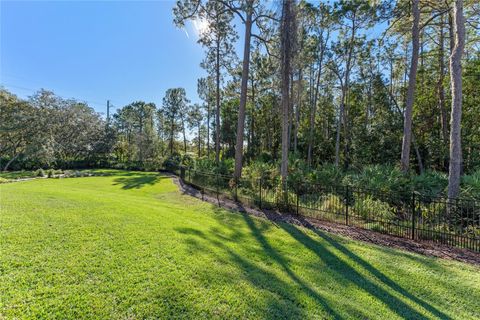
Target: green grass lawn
[[130, 246]]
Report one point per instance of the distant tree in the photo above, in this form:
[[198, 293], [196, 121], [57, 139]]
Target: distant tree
[[217, 38], [412, 80], [17, 128], [174, 104], [195, 119], [204, 90]]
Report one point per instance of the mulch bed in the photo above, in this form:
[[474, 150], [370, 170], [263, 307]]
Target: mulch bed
[[421, 247]]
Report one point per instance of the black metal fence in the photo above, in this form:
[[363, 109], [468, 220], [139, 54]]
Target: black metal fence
[[409, 215]]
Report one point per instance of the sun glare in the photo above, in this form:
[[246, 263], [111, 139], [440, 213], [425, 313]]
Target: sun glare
[[201, 26]]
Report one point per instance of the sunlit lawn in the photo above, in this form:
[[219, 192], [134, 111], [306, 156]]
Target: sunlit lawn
[[131, 246]]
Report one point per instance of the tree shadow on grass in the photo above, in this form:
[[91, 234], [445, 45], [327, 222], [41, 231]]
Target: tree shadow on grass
[[137, 181], [355, 277], [344, 272], [282, 302]]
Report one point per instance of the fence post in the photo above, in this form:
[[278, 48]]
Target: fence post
[[346, 204], [413, 215]]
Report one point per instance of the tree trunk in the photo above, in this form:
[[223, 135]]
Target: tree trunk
[[455, 166], [251, 143], [172, 128], [407, 124], [184, 137], [208, 130], [10, 162], [346, 123], [290, 112], [243, 93], [199, 141], [339, 127], [315, 100], [217, 111], [297, 110], [441, 90], [286, 47]]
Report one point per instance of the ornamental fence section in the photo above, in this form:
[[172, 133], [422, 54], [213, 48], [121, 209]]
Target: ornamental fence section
[[453, 222]]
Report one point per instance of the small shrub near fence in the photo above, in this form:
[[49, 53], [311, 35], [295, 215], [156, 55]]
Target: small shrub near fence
[[450, 222]]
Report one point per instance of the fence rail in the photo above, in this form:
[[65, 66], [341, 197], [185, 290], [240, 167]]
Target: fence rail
[[408, 215]]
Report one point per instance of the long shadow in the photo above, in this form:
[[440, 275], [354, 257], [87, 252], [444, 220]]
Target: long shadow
[[352, 275], [263, 279], [272, 253], [139, 180], [343, 271]]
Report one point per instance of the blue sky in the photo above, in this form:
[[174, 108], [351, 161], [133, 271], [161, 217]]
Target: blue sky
[[94, 51]]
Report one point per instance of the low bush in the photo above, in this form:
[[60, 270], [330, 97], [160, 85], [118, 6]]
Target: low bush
[[4, 180], [40, 173], [430, 184], [471, 186], [370, 208]]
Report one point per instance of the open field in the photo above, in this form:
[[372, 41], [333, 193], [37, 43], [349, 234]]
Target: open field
[[131, 246]]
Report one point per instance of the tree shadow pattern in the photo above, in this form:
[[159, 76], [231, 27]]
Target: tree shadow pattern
[[286, 297], [138, 180]]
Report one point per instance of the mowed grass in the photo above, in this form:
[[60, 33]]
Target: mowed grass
[[130, 246]]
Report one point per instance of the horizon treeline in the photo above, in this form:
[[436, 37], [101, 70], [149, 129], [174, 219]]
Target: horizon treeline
[[350, 84]]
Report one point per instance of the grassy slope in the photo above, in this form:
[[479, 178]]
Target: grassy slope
[[130, 246]]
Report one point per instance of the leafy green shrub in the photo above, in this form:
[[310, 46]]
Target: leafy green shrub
[[384, 179], [331, 203], [3, 180], [187, 161], [471, 186], [172, 162], [40, 173], [50, 173], [258, 169], [430, 184], [327, 175], [373, 208]]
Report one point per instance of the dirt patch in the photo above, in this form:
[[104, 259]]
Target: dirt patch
[[421, 247]]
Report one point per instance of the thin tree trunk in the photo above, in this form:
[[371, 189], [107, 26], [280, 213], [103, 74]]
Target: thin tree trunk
[[346, 96], [315, 100], [441, 89], [455, 166], [407, 126], [243, 93], [414, 143], [297, 110], [199, 141], [290, 113], [184, 137], [172, 128], [339, 127], [217, 111], [252, 123], [10, 162], [286, 47], [208, 130]]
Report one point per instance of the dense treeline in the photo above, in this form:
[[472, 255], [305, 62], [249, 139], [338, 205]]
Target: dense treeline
[[345, 86]]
